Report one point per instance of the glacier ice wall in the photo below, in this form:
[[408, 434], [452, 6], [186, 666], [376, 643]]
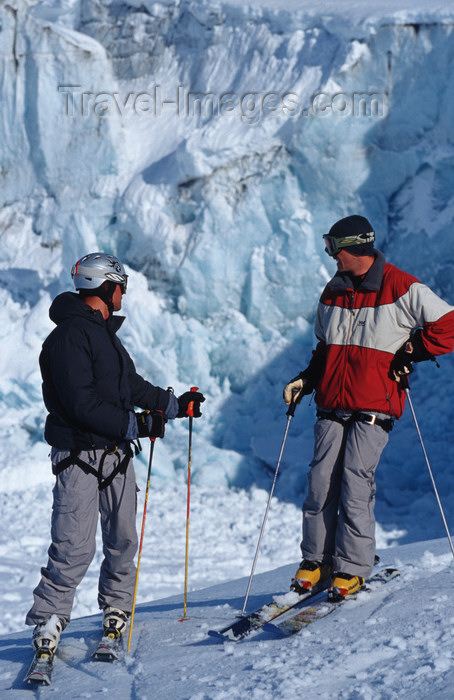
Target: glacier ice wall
[[210, 145]]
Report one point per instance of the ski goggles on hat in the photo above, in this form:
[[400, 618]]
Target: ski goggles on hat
[[333, 245]]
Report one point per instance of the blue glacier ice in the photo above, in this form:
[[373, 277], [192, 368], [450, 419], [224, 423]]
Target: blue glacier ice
[[210, 145]]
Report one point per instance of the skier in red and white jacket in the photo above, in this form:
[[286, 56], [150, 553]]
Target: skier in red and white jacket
[[373, 321]]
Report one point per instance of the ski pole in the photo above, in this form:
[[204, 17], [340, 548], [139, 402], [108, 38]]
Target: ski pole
[[152, 441], [190, 413], [406, 388], [290, 413]]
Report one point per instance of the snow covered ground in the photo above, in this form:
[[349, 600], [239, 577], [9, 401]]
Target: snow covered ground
[[392, 643]]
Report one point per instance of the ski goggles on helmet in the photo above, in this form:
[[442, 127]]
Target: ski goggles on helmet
[[333, 245], [124, 285]]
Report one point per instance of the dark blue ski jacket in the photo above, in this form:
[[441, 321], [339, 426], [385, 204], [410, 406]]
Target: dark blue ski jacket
[[90, 383]]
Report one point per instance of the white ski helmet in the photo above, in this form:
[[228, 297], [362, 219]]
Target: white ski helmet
[[95, 268]]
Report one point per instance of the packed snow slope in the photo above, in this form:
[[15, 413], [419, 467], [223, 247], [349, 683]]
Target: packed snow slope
[[210, 145], [394, 642]]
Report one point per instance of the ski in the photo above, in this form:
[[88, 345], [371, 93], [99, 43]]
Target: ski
[[108, 650], [40, 671], [326, 603], [244, 626]]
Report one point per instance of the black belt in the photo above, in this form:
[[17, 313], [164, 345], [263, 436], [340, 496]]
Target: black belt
[[367, 418]]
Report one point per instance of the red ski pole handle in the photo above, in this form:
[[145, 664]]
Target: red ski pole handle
[[190, 410]]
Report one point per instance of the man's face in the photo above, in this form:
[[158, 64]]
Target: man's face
[[347, 262], [117, 297]]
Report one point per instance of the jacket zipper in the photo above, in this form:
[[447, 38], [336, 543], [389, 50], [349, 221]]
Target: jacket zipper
[[347, 344]]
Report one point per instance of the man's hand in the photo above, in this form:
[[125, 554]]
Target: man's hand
[[297, 388], [402, 362], [151, 425], [413, 350], [187, 398]]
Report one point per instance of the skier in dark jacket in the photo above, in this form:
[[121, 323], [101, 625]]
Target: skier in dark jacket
[[90, 389]]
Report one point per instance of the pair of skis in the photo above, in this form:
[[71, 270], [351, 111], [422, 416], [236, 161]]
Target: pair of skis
[[41, 667], [244, 626], [287, 615]]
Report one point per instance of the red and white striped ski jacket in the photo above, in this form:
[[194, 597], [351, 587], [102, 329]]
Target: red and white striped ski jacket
[[359, 331]]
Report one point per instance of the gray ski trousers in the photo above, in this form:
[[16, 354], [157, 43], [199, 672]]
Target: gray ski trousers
[[338, 512], [77, 501]]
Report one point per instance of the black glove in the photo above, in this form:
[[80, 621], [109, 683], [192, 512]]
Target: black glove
[[187, 398], [412, 350], [151, 425]]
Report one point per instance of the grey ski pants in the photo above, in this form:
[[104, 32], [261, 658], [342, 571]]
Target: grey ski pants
[[338, 512], [77, 501]]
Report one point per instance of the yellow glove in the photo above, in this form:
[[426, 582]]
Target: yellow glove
[[294, 390]]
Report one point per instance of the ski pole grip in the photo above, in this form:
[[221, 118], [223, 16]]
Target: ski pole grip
[[404, 382], [291, 408], [190, 410]]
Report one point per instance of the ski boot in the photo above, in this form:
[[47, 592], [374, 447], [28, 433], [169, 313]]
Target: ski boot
[[344, 585], [46, 636], [309, 574], [114, 622]]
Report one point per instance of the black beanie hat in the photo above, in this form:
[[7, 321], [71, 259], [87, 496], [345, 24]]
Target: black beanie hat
[[354, 225]]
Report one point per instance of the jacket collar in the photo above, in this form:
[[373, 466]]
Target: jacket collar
[[69, 304], [372, 280], [115, 322]]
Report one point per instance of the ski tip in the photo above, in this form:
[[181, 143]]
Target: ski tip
[[224, 637], [386, 574], [216, 634], [234, 632]]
